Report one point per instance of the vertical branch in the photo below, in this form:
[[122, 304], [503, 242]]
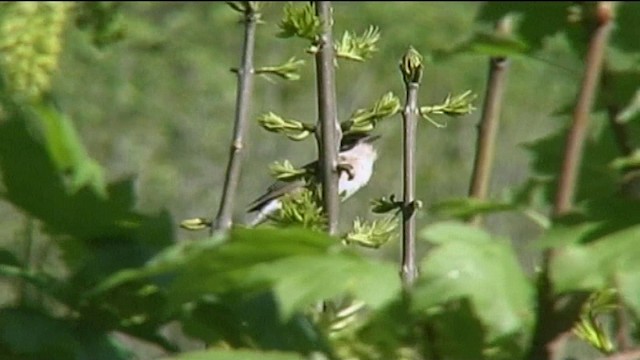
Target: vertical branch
[[556, 316], [489, 123], [243, 101], [330, 133], [575, 138], [411, 68]]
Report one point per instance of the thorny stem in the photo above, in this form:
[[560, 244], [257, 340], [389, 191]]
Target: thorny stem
[[489, 123], [410, 121], [330, 133], [243, 100], [556, 316]]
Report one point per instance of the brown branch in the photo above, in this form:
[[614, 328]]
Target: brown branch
[[330, 133], [575, 139], [243, 101], [489, 123], [556, 315], [411, 68]]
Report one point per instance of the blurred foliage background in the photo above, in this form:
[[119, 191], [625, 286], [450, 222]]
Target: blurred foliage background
[[158, 105]]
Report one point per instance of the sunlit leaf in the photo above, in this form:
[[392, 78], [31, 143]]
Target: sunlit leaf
[[300, 265], [467, 263]]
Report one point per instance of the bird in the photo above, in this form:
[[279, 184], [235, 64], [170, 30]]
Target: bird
[[356, 158]]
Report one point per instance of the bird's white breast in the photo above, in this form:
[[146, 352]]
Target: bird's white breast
[[361, 159]]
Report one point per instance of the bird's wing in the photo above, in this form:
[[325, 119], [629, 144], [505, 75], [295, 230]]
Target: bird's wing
[[280, 188], [276, 190]]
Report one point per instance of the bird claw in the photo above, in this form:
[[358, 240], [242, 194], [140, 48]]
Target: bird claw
[[346, 168]]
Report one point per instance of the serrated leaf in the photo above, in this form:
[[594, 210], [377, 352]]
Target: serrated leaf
[[469, 264], [530, 28], [489, 44], [300, 266], [302, 281], [594, 265], [596, 179]]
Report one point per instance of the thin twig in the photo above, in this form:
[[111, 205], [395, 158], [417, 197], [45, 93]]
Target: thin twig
[[489, 123], [330, 133], [556, 316], [411, 68], [243, 102]]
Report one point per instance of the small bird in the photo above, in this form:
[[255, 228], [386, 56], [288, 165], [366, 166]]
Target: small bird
[[356, 158]]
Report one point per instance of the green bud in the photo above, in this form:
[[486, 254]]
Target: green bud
[[411, 66]]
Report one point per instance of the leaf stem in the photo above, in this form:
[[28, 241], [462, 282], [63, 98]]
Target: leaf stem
[[330, 132], [243, 101], [489, 123]]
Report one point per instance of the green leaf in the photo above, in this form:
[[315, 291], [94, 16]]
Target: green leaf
[[489, 44], [64, 145], [626, 34], [452, 231], [34, 335], [456, 324], [102, 234], [300, 266], [539, 20], [464, 208], [597, 179], [595, 265], [241, 320], [302, 281], [469, 264], [218, 354]]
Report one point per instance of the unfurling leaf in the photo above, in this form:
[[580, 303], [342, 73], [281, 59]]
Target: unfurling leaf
[[451, 106], [358, 48], [299, 21], [411, 66], [293, 129], [302, 209], [287, 71], [286, 171], [365, 120], [382, 205], [373, 234]]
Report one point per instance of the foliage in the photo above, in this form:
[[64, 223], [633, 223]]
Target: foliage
[[253, 293]]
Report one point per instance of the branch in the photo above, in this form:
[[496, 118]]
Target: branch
[[330, 133], [557, 315], [411, 68], [488, 127], [575, 138], [243, 101]]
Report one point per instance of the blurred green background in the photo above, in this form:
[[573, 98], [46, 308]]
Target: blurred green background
[[159, 105]]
